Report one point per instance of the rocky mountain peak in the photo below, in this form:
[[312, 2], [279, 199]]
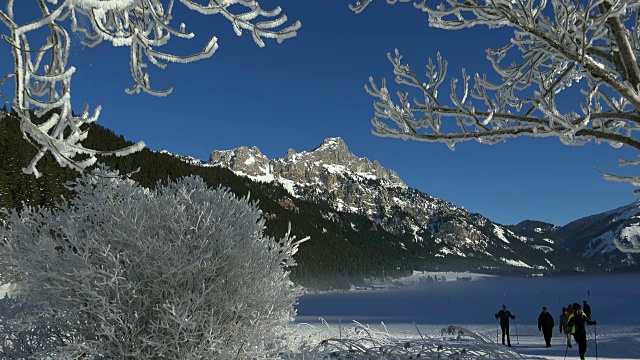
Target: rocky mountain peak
[[333, 145], [246, 160], [332, 151], [330, 158]]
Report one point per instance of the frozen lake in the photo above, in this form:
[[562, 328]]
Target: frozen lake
[[614, 299]]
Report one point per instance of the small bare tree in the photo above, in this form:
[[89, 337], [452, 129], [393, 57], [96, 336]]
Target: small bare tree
[[123, 272], [593, 45], [43, 78]]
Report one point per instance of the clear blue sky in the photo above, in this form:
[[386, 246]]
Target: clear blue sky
[[295, 94]]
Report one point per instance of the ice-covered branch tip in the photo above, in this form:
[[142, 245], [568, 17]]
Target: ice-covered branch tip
[[43, 78], [359, 6], [144, 25], [358, 341]]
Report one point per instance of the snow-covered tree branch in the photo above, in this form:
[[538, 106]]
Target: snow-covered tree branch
[[42, 75], [593, 45]]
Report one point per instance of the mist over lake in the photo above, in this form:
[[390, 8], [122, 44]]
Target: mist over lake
[[614, 300]]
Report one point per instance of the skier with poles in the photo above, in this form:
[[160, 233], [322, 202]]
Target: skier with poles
[[577, 323], [504, 316]]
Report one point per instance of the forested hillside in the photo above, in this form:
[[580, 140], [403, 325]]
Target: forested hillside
[[343, 249]]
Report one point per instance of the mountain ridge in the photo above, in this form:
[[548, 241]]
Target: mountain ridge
[[345, 247], [331, 173], [591, 237]]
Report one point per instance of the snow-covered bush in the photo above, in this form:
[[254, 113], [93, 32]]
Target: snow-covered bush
[[22, 341], [180, 272]]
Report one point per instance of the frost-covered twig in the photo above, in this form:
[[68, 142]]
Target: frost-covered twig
[[593, 45], [42, 75], [22, 341], [363, 342]]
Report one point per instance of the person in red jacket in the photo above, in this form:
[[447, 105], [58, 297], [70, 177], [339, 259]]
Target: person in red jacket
[[564, 325]]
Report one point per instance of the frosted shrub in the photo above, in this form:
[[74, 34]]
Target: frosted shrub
[[22, 341], [180, 272]]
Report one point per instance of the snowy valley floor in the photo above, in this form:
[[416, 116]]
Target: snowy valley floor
[[472, 305]]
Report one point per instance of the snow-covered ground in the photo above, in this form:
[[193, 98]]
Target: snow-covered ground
[[417, 316], [614, 300]]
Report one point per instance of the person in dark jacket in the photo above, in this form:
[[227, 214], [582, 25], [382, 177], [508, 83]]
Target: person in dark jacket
[[545, 324], [564, 326], [504, 316], [586, 308], [577, 323]]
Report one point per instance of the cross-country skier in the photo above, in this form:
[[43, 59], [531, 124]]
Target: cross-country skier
[[577, 323], [504, 316]]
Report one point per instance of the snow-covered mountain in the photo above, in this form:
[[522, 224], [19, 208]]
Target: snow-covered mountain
[[594, 236], [331, 173], [188, 159]]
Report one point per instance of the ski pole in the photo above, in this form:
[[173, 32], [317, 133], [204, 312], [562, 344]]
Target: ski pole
[[595, 338], [496, 330], [516, 326], [565, 351]]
